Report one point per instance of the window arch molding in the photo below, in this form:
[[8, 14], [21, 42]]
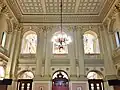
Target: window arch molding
[[91, 42], [56, 72], [91, 32], [95, 74], [20, 75], [29, 41]]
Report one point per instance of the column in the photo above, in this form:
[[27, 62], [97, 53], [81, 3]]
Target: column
[[48, 53], [16, 51], [80, 53], [9, 64], [71, 52], [39, 53], [108, 63]]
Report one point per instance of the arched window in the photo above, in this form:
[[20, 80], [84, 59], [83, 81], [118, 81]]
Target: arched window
[[26, 75], [3, 38], [91, 44], [117, 36], [2, 72], [60, 43], [94, 75], [62, 72], [29, 43]]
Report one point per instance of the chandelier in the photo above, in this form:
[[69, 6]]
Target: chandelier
[[61, 39]]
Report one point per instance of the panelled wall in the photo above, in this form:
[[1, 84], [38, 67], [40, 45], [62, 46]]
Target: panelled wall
[[43, 63], [76, 66]]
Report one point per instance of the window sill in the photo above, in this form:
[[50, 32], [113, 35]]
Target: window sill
[[27, 55]]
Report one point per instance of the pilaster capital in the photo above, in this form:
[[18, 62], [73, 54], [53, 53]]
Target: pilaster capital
[[101, 28], [17, 27], [9, 32], [78, 27], [106, 24]]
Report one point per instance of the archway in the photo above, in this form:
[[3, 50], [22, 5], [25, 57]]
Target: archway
[[25, 79], [60, 80], [95, 80]]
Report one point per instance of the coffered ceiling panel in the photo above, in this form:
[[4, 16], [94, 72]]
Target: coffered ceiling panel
[[54, 6], [90, 6], [49, 10], [30, 6]]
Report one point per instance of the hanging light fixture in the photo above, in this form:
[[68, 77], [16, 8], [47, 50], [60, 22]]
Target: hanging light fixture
[[61, 39]]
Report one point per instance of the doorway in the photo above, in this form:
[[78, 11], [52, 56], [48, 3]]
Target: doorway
[[60, 81], [24, 84], [95, 80], [25, 80]]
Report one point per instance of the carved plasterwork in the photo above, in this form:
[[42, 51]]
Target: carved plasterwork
[[115, 10], [49, 10]]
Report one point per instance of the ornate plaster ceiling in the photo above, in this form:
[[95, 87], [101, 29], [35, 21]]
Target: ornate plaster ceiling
[[48, 11]]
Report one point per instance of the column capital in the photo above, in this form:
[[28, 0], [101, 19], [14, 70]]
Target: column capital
[[15, 26], [78, 27], [20, 28]]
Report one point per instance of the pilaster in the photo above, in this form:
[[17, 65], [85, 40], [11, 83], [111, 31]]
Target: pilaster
[[48, 54], [39, 53], [17, 49], [9, 64], [110, 71], [71, 52], [81, 53]]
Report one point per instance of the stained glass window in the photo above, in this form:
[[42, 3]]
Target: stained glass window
[[29, 43], [91, 44]]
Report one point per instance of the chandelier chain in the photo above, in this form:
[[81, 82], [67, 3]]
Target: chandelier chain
[[61, 15]]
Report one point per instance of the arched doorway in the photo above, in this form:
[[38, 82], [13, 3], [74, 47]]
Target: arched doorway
[[95, 80], [60, 80], [25, 80]]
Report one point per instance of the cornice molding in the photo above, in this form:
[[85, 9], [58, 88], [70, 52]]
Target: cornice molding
[[71, 18]]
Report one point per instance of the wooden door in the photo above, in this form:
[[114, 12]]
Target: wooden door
[[24, 84], [95, 84]]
